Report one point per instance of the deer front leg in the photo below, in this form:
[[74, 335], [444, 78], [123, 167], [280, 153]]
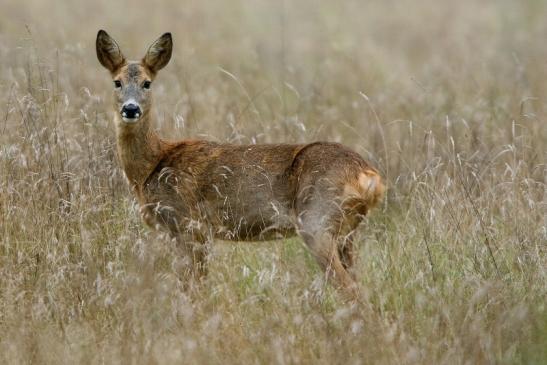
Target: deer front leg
[[191, 242], [193, 251]]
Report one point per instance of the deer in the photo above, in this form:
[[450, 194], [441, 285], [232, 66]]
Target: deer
[[199, 191]]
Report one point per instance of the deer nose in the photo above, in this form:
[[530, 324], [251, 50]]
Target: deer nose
[[131, 111]]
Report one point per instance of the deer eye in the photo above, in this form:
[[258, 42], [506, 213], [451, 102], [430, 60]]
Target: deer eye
[[146, 84], [117, 84]]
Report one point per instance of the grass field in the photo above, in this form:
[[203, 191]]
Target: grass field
[[448, 99]]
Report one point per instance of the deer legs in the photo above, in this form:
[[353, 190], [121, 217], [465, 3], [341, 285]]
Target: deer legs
[[333, 253], [194, 251], [347, 253]]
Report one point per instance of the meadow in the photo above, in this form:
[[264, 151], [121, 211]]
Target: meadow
[[447, 99]]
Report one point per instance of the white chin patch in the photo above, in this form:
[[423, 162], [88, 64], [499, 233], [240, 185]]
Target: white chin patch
[[130, 120]]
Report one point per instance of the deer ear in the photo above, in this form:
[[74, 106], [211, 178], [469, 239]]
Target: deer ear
[[108, 52], [159, 53]]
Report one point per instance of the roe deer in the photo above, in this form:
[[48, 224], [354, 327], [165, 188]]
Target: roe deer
[[199, 190]]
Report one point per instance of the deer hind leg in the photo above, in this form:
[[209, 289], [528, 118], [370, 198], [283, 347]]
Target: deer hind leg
[[324, 246], [357, 198], [350, 220], [347, 253]]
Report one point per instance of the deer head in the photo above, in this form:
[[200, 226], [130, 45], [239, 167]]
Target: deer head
[[133, 79]]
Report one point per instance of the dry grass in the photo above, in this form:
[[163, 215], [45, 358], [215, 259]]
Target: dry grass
[[448, 99]]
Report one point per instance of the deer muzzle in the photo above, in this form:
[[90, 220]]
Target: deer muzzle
[[131, 112]]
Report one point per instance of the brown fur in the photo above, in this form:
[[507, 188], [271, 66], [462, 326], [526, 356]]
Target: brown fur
[[199, 190]]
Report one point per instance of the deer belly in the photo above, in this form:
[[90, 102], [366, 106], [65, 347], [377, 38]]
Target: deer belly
[[251, 222], [236, 221]]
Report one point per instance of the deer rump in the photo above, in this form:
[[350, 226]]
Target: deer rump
[[258, 192]]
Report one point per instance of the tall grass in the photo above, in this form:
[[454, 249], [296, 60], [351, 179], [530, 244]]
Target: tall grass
[[447, 99]]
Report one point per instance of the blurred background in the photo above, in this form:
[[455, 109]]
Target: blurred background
[[365, 73], [448, 99]]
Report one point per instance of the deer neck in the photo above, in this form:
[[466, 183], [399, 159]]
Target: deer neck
[[139, 149]]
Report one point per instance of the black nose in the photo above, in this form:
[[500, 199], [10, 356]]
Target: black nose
[[131, 111]]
